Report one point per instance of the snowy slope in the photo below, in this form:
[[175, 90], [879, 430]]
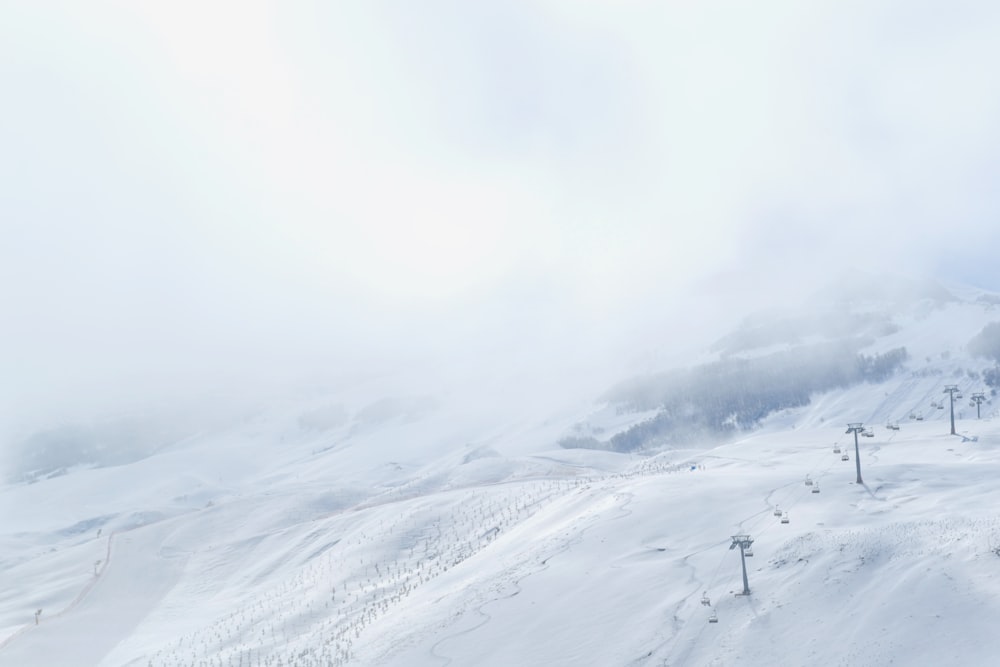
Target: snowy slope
[[444, 535]]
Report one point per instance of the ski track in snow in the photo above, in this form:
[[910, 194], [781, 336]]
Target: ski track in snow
[[88, 628], [516, 583]]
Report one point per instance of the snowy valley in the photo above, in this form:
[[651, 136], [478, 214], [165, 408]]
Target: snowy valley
[[362, 528]]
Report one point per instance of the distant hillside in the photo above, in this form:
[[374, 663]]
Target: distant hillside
[[856, 331], [736, 394]]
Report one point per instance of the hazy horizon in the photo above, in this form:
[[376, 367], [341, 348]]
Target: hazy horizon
[[228, 199]]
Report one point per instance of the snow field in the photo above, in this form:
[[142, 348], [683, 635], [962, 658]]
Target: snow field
[[569, 564], [431, 537]]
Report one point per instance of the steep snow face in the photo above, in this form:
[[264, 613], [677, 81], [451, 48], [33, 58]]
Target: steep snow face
[[411, 531]]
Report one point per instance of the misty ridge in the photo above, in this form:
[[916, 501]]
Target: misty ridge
[[393, 408], [114, 440], [58, 450], [773, 362], [125, 439], [735, 394]]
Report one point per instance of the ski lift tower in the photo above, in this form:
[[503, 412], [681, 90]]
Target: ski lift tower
[[951, 390], [855, 428], [743, 542], [978, 398]]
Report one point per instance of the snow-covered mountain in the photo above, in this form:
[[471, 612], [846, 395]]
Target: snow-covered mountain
[[362, 527]]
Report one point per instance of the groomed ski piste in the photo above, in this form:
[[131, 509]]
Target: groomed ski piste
[[429, 540]]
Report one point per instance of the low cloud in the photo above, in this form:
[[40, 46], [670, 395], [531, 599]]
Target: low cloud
[[238, 200]]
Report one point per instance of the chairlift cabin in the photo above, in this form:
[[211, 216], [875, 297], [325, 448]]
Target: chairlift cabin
[[868, 433], [784, 518], [958, 395], [845, 457], [815, 489], [920, 418], [713, 617], [705, 600], [777, 511], [934, 404], [940, 407], [836, 449], [748, 552], [809, 481]]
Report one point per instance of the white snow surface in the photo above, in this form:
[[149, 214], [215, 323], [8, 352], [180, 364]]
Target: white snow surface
[[431, 538]]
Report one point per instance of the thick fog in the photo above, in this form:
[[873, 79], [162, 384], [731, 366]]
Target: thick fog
[[206, 203]]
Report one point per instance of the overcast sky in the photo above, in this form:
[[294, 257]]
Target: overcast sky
[[201, 193]]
